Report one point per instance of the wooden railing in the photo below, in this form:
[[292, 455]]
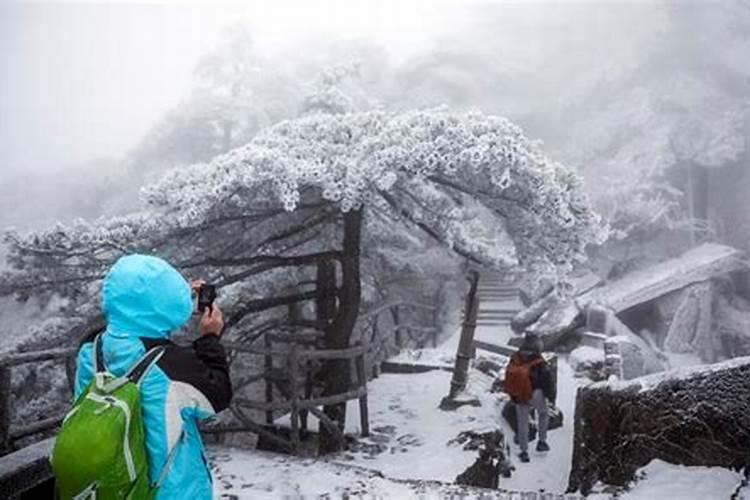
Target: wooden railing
[[10, 434], [293, 378], [294, 381], [27, 471], [403, 334]]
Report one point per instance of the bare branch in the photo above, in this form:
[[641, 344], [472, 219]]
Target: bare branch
[[274, 260], [258, 305], [427, 229]]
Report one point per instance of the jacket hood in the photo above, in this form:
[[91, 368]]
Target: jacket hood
[[531, 345], [144, 296]]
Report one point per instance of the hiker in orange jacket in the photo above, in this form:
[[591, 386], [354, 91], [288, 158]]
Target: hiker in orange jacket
[[529, 382]]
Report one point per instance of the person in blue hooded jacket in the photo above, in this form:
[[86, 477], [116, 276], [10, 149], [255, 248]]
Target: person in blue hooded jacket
[[144, 299]]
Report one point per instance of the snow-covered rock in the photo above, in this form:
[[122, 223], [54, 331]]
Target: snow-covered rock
[[588, 361], [698, 416]]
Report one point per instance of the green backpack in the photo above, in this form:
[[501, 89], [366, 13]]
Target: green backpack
[[100, 451]]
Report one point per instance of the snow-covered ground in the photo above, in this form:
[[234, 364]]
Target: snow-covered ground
[[409, 453], [409, 442], [408, 448], [666, 481]]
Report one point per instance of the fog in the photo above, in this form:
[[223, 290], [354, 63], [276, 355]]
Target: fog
[[337, 170], [83, 81], [98, 99]]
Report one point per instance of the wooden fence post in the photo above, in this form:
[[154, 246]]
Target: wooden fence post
[[465, 349], [435, 320], [308, 394], [294, 396], [364, 418], [5, 410], [375, 339], [70, 372], [396, 323], [268, 365]]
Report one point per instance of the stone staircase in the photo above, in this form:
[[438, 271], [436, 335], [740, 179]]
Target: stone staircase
[[498, 303]]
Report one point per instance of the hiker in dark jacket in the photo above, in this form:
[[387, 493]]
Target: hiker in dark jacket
[[144, 300], [543, 390]]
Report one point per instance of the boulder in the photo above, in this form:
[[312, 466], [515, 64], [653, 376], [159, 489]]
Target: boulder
[[697, 417], [697, 265], [555, 417], [588, 361], [492, 462], [532, 313], [490, 366], [633, 362], [732, 320]]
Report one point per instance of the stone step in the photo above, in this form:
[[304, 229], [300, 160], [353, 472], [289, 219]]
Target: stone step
[[497, 349], [487, 314]]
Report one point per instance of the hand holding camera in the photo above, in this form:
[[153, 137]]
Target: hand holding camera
[[212, 319]]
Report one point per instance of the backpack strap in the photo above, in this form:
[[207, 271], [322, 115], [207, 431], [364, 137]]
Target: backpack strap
[[539, 361], [136, 373], [99, 366]]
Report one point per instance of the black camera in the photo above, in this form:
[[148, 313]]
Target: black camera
[[206, 297]]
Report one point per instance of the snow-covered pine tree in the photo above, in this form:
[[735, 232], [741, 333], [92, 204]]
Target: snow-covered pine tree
[[252, 219]]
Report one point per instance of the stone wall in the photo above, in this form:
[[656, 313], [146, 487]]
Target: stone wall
[[699, 417]]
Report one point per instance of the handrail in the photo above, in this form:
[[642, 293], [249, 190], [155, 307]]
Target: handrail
[[22, 431], [385, 307], [349, 353], [20, 358], [9, 433], [25, 469]]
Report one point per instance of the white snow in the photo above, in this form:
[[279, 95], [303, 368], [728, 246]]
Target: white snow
[[427, 357], [585, 355], [259, 475], [404, 416], [413, 436], [662, 480]]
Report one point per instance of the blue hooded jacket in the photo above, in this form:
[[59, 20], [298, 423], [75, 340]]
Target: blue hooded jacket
[[145, 299]]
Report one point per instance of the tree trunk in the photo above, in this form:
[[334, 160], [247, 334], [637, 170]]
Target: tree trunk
[[338, 333], [325, 304], [465, 349]]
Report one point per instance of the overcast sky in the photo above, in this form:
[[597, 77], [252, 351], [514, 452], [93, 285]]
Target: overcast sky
[[82, 81]]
